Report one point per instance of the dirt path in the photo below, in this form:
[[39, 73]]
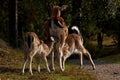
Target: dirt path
[[104, 71]]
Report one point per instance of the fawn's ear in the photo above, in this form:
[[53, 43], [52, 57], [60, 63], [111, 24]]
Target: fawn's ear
[[63, 7]]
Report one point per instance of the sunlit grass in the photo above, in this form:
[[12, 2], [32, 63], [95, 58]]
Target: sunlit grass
[[11, 66]]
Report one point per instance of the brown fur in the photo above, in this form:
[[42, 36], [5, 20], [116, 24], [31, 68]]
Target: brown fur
[[37, 46], [73, 45], [51, 29]]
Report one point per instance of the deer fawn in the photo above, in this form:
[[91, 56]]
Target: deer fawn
[[74, 44], [33, 45]]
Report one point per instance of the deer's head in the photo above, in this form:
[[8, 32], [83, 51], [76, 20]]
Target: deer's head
[[56, 10]]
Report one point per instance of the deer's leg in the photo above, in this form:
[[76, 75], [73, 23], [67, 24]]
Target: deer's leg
[[64, 57], [81, 59], [63, 62], [52, 61], [30, 64], [24, 64], [60, 59], [38, 62], [60, 54], [47, 66], [39, 67], [90, 58], [31, 55], [60, 62]]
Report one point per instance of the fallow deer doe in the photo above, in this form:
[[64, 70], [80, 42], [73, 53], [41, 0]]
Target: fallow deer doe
[[74, 44], [57, 28], [33, 45]]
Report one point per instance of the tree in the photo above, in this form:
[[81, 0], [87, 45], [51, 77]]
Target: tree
[[13, 23], [118, 20], [4, 19]]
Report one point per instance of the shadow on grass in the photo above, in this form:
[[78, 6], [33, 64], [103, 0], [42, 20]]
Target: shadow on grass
[[4, 70], [18, 71]]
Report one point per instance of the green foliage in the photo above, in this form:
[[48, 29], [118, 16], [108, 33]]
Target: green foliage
[[96, 16], [109, 47], [33, 14], [4, 19], [112, 58], [93, 15]]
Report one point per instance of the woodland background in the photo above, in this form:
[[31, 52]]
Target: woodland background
[[95, 19]]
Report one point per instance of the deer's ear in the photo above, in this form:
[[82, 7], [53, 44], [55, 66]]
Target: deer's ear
[[63, 7]]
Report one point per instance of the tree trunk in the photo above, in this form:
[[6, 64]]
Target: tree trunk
[[100, 40], [13, 32], [118, 39]]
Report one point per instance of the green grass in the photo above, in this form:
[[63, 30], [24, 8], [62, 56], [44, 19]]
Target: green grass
[[11, 66], [112, 59], [108, 47], [109, 53]]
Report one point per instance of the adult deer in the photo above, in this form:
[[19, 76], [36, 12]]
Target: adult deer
[[57, 28], [74, 44], [33, 46]]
